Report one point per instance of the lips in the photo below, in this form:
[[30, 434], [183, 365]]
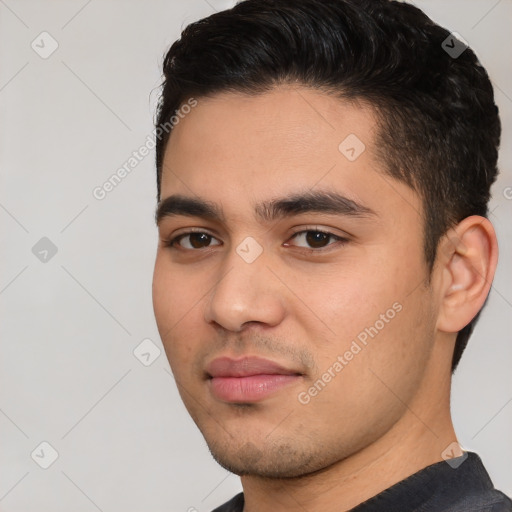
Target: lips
[[226, 367], [250, 379]]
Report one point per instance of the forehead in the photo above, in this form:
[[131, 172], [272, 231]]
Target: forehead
[[234, 146], [286, 122]]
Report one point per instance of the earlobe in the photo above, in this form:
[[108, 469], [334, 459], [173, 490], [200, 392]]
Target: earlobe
[[468, 257]]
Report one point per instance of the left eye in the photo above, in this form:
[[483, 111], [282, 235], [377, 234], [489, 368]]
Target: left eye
[[317, 239]]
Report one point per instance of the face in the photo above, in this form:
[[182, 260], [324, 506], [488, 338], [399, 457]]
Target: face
[[291, 306]]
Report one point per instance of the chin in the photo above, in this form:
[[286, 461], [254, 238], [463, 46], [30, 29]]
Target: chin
[[270, 461]]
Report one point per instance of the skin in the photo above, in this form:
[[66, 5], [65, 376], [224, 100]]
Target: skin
[[386, 414]]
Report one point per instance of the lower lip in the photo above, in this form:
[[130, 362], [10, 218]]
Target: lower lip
[[249, 389]]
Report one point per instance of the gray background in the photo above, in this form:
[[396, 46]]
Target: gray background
[[70, 324]]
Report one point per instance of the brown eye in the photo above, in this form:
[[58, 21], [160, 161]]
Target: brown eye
[[197, 240], [316, 239]]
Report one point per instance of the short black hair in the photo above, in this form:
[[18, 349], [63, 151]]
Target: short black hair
[[439, 128]]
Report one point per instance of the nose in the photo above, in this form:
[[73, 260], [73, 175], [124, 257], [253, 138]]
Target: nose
[[245, 292]]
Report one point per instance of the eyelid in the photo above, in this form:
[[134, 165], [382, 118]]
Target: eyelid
[[316, 227]]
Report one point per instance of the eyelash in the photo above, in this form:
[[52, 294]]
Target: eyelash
[[341, 240]]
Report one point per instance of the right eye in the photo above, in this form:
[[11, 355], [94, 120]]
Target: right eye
[[197, 240]]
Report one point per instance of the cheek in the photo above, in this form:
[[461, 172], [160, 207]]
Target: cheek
[[177, 308], [393, 345], [347, 298], [363, 385], [372, 312]]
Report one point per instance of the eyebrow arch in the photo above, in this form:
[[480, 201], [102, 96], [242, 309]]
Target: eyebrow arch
[[267, 211]]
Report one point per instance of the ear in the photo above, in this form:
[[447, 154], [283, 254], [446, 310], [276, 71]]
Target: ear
[[467, 259]]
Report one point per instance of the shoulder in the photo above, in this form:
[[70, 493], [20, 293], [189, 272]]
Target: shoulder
[[235, 504], [471, 489], [489, 502]]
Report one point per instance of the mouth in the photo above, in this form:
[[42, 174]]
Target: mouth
[[247, 380]]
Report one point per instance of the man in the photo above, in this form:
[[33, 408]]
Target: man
[[323, 170]]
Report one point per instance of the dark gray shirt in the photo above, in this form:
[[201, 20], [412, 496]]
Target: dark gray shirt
[[440, 487]]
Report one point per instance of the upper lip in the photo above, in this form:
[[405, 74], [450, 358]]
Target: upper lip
[[245, 367]]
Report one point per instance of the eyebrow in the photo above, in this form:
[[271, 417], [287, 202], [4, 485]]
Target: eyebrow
[[267, 211]]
